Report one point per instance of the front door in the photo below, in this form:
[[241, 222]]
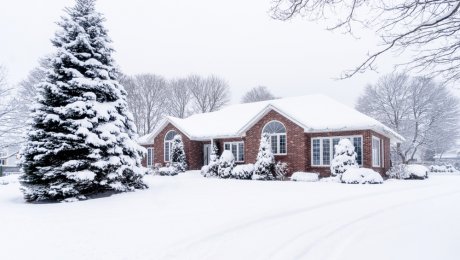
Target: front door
[[206, 153]]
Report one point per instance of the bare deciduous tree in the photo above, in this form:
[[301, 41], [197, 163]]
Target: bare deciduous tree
[[147, 99], [210, 94], [179, 98], [429, 29], [260, 93], [426, 114], [27, 87], [11, 124]]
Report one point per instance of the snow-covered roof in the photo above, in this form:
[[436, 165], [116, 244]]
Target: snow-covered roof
[[315, 113]]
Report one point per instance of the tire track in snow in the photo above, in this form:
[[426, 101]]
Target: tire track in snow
[[340, 228], [186, 244]]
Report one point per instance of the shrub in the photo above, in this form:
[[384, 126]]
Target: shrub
[[305, 176], [243, 171], [226, 164], [167, 171], [178, 159], [211, 170], [344, 157], [361, 176], [265, 164], [281, 170], [447, 168], [403, 171]]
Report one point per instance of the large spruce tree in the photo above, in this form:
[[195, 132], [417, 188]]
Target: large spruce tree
[[81, 140]]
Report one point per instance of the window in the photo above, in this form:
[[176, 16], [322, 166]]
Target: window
[[149, 157], [323, 149], [376, 151], [2, 161], [237, 149], [168, 145], [278, 139]]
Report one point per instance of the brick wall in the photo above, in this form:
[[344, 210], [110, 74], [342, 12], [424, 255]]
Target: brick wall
[[367, 150], [193, 149], [296, 145]]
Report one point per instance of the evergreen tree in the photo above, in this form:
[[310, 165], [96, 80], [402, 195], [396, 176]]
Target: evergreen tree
[[344, 157], [81, 140], [265, 164], [178, 159], [226, 164]]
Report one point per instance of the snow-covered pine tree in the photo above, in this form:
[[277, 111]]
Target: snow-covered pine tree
[[81, 140], [211, 170], [226, 164], [344, 157], [265, 163], [178, 159]]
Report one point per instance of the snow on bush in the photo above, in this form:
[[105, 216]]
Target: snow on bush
[[243, 171], [226, 164], [211, 170], [168, 171], [178, 159], [361, 176], [265, 163], [12, 178], [447, 168], [412, 171], [305, 176], [344, 157], [281, 170], [416, 171]]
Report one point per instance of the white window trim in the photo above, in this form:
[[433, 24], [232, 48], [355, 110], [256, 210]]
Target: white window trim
[[331, 147], [237, 149], [278, 146], [170, 146], [150, 149], [380, 152]]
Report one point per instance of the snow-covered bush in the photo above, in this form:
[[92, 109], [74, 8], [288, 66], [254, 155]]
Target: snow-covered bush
[[447, 168], [265, 163], [281, 170], [305, 176], [211, 170], [361, 176], [404, 171], [416, 171], [344, 157], [82, 136], [226, 164], [168, 171], [178, 159], [243, 171]]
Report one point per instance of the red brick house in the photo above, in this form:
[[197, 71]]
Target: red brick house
[[303, 132]]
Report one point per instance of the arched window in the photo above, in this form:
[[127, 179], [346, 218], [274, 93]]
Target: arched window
[[168, 144], [277, 133]]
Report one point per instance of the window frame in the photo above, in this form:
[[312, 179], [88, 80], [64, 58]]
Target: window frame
[[331, 149], [379, 149], [169, 142], [278, 138], [150, 156], [238, 150]]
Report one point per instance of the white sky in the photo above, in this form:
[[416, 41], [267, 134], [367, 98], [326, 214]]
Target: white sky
[[234, 39]]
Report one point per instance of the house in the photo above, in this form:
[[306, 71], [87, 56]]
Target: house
[[9, 159], [303, 131]]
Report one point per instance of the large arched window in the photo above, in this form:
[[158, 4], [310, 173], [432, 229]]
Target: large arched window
[[277, 133], [168, 144]]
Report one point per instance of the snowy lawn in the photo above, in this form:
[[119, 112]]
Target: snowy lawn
[[190, 217]]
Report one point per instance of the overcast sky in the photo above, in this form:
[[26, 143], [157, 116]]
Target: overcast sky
[[234, 39]]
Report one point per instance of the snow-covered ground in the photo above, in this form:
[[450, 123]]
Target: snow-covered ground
[[190, 217]]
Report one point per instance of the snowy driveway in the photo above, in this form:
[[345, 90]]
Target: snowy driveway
[[189, 217]]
